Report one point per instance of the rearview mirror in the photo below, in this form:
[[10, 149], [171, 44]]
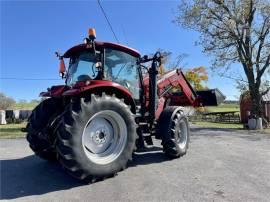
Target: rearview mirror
[[62, 68]]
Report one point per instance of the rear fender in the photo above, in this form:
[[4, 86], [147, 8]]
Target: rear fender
[[98, 87]]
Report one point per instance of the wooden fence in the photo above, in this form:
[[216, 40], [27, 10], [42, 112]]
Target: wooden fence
[[217, 117]]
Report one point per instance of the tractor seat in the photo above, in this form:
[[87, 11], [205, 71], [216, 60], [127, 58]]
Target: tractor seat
[[84, 77]]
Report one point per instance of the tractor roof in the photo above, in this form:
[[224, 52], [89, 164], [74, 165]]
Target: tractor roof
[[82, 47]]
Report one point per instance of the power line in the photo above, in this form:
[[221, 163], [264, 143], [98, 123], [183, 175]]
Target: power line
[[34, 79], [107, 19], [124, 33]]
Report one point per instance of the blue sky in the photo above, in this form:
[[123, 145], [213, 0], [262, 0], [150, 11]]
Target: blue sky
[[31, 31]]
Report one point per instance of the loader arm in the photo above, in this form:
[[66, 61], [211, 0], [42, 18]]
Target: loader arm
[[176, 79], [187, 96], [174, 90]]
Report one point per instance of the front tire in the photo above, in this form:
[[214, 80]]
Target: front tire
[[96, 137], [174, 130]]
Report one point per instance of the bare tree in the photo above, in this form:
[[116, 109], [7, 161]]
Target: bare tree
[[233, 31], [172, 63], [6, 102]]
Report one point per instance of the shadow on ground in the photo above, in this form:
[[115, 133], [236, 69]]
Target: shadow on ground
[[30, 175]]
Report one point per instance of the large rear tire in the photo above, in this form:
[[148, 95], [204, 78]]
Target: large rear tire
[[96, 137], [173, 127], [39, 134]]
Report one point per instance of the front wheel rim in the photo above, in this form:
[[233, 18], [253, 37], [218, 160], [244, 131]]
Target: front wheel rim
[[181, 132], [104, 137]]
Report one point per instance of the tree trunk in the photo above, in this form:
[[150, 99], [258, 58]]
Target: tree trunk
[[254, 89], [256, 101]]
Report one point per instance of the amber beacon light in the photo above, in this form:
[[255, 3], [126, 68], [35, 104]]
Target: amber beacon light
[[92, 33]]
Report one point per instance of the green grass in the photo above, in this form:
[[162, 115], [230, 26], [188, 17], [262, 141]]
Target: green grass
[[12, 130], [223, 108], [218, 125]]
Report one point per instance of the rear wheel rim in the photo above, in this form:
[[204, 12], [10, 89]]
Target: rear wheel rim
[[104, 137]]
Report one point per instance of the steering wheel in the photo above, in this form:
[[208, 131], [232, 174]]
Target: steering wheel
[[126, 84]]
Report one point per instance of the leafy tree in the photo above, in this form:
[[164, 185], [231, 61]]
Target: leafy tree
[[197, 77], [233, 31], [6, 102]]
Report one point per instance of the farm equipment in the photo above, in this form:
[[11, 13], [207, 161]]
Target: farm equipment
[[111, 105]]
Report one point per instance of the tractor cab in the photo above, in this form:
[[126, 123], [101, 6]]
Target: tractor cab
[[102, 61]]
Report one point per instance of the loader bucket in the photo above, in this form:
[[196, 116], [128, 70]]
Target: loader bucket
[[212, 97]]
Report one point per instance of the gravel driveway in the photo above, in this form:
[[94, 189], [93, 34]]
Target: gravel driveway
[[221, 165]]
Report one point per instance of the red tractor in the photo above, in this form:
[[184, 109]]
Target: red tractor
[[111, 105]]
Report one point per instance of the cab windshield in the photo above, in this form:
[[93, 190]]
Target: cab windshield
[[81, 68], [118, 66], [121, 68]]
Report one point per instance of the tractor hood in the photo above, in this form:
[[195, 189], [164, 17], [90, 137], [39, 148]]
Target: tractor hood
[[98, 44]]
